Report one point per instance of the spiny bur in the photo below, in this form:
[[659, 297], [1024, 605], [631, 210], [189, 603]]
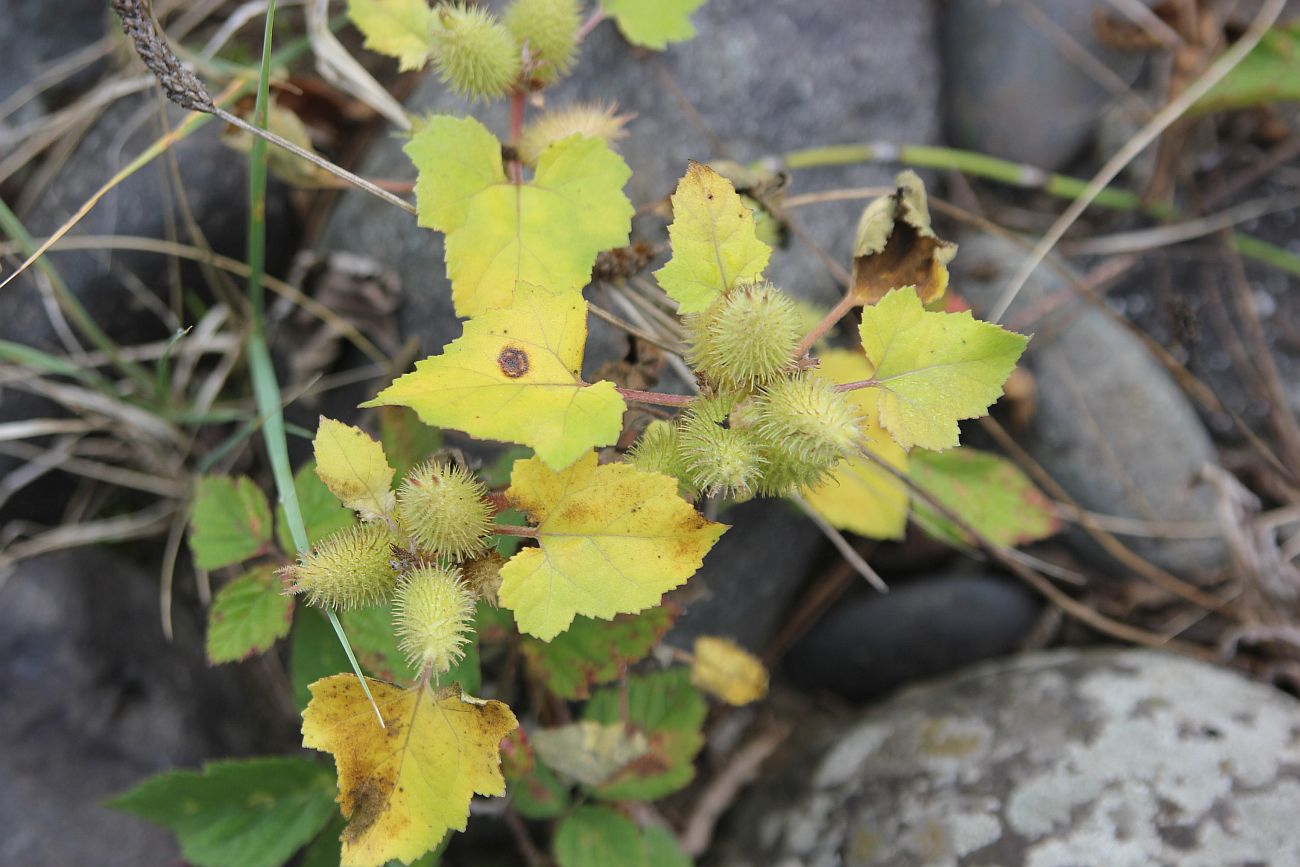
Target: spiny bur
[[745, 339], [433, 614], [807, 414], [549, 30], [474, 53], [441, 506], [655, 451], [719, 459], [482, 576], [349, 569], [587, 119]]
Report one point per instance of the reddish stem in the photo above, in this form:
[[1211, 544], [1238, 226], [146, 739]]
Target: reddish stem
[[517, 104], [597, 16], [654, 398], [511, 530], [854, 386], [829, 321]]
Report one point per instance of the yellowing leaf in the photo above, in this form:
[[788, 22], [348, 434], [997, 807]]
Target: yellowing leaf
[[499, 234], [713, 240], [613, 541], [896, 247], [514, 376], [589, 752], [398, 28], [860, 496], [933, 369], [724, 669], [402, 787], [654, 23], [353, 467]]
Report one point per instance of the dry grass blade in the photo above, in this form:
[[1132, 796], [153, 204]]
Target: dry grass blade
[[847, 551], [138, 525], [341, 69]]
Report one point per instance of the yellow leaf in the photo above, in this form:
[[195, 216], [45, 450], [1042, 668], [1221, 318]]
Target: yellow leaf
[[724, 669], [547, 232], [402, 787], [398, 28], [352, 465], [896, 246], [654, 23], [933, 369], [713, 241], [859, 496], [514, 376], [613, 540]]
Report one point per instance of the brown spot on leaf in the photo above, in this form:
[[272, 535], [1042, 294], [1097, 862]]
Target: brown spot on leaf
[[513, 362], [896, 246]]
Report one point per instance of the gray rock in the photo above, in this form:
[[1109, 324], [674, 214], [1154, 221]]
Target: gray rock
[[1011, 89], [38, 34], [1112, 758], [873, 643], [92, 701], [1111, 426]]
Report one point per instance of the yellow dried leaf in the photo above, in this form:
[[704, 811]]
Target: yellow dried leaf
[[402, 787], [589, 752], [724, 669], [352, 465], [613, 540], [896, 247]]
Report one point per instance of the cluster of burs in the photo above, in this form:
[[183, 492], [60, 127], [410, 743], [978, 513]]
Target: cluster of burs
[[429, 557], [763, 424], [485, 57]]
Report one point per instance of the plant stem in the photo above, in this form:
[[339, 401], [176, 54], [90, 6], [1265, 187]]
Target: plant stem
[[654, 398], [517, 106], [829, 321], [597, 16], [512, 530], [855, 385]]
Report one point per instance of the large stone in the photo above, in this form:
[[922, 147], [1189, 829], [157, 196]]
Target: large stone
[[1108, 758], [1110, 426], [37, 35], [872, 643], [92, 701], [766, 77], [1021, 79]]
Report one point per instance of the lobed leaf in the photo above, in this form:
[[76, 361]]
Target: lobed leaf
[[500, 234], [859, 496], [353, 466], [595, 651], [248, 616], [713, 240], [230, 522], [986, 491], [612, 540], [653, 24], [404, 786], [398, 28], [933, 369], [250, 812], [514, 375]]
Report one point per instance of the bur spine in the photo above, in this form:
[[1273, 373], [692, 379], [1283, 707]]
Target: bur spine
[[433, 615], [444, 510], [548, 30], [349, 569], [474, 53], [745, 339]]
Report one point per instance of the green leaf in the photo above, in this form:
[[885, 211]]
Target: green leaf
[[987, 491], [314, 653], [595, 651], [252, 812], [654, 23], [933, 369], [534, 790], [515, 375], [230, 523], [321, 511], [398, 28], [669, 711], [247, 616], [713, 241], [593, 836], [406, 440], [1269, 74], [499, 234]]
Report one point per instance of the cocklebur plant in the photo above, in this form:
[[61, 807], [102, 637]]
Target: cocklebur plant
[[562, 555]]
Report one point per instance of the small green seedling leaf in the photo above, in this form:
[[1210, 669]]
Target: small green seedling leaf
[[230, 523], [353, 466], [986, 491], [933, 369], [514, 375], [248, 615], [613, 540], [669, 711], [322, 515], [654, 23], [251, 812], [398, 28], [713, 241], [500, 234], [595, 651]]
